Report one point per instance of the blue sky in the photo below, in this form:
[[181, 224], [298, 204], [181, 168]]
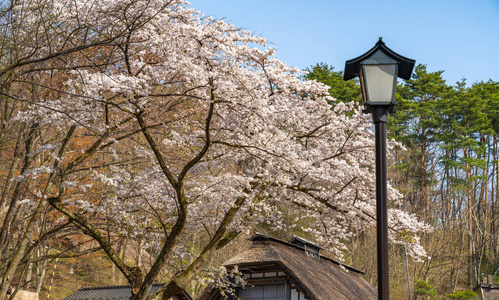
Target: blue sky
[[458, 36]]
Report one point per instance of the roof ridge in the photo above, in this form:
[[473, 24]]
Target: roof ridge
[[262, 237], [103, 287], [113, 287], [303, 240]]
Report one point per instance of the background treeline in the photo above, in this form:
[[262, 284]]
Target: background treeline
[[447, 168]]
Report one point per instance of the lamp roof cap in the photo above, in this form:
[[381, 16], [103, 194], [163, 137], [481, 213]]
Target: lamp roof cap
[[405, 65]]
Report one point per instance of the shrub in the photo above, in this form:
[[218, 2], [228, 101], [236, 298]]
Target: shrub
[[463, 295], [424, 290]]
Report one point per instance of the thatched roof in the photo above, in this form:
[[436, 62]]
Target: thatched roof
[[487, 291], [319, 278]]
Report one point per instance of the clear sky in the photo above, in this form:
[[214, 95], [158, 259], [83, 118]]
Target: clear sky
[[460, 37]]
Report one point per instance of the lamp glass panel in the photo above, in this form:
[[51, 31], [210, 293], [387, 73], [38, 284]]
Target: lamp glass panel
[[380, 82]]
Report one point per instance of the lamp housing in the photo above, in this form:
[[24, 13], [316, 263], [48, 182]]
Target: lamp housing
[[378, 70]]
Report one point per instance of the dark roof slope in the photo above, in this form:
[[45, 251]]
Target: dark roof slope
[[405, 65], [487, 291], [122, 292], [320, 279]]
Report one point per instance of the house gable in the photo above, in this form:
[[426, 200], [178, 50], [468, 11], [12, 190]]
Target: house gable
[[263, 281], [314, 277]]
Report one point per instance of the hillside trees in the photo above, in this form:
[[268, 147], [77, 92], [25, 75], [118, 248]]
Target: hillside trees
[[459, 174], [414, 124], [455, 132], [447, 172], [157, 124]]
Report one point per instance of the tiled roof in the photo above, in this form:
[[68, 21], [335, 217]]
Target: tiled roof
[[122, 292]]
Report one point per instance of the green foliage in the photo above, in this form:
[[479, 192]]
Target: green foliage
[[416, 124], [423, 289], [416, 117], [408, 236], [444, 126], [463, 295], [343, 91]]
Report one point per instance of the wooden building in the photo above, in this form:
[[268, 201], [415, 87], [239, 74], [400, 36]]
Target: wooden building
[[22, 295], [294, 270], [487, 290]]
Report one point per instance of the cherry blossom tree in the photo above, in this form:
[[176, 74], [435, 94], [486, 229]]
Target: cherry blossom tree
[[40, 41], [166, 123]]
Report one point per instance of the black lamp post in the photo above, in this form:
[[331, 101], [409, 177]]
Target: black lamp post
[[378, 70]]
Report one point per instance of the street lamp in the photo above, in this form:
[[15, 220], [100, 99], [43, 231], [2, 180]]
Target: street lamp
[[378, 70]]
